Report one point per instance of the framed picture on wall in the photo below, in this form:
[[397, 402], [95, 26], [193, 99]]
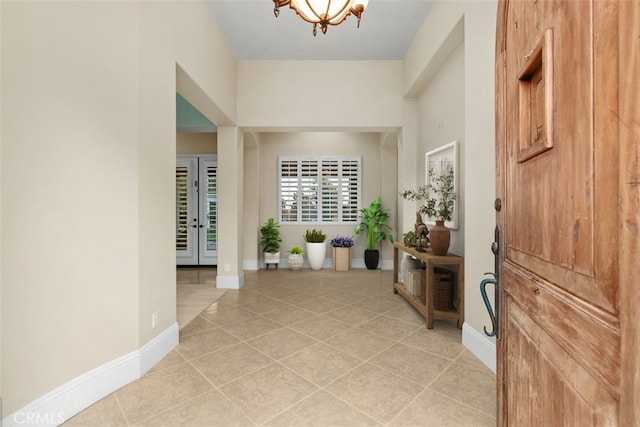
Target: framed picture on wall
[[442, 161]]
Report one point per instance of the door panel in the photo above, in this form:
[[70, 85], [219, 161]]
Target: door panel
[[196, 210], [558, 157], [186, 211], [208, 212]]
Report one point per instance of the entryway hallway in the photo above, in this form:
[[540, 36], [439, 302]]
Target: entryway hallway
[[308, 348]]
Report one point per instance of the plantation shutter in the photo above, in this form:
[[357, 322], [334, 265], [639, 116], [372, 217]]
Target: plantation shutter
[[350, 190], [330, 189], [309, 187], [182, 206], [319, 190], [289, 191], [212, 208]]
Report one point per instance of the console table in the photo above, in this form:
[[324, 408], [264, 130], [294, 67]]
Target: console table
[[427, 309]]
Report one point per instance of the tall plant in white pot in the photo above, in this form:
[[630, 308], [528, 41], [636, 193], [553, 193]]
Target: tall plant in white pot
[[316, 248]]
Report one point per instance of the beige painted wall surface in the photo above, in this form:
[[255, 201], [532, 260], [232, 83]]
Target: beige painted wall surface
[[441, 120], [196, 143], [70, 192], [320, 94], [480, 176], [88, 178], [440, 27], [202, 52], [251, 200], [424, 52], [368, 146]]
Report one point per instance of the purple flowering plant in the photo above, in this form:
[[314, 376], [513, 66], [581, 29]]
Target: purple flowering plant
[[340, 241]]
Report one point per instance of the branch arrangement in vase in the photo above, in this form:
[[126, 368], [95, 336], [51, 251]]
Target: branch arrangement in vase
[[438, 195]]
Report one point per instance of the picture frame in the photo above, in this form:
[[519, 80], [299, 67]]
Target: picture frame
[[442, 160]]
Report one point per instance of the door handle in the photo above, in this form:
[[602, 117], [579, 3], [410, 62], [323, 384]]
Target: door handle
[[194, 223], [487, 304], [493, 315]]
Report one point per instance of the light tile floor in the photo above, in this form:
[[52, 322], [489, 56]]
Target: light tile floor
[[195, 291], [308, 348]]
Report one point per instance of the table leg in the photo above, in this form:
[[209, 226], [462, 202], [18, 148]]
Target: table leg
[[395, 269], [429, 273]]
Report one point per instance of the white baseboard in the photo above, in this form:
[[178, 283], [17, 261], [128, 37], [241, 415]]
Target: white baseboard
[[67, 400], [328, 263], [229, 282], [481, 346], [156, 349]]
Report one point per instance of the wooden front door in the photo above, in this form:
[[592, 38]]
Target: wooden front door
[[568, 153]]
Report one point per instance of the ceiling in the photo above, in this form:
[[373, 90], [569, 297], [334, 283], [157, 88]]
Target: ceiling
[[254, 33]]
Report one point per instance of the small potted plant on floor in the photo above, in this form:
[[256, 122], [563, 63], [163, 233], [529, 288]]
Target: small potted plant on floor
[[316, 248], [271, 241], [373, 220], [342, 252], [295, 257]]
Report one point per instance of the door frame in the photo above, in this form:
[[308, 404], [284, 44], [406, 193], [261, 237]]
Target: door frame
[[195, 255]]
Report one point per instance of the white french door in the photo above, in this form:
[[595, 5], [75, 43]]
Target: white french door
[[196, 210]]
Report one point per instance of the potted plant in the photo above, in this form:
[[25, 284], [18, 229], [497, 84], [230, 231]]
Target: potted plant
[[341, 252], [374, 220], [270, 241], [438, 196], [316, 248], [295, 257]]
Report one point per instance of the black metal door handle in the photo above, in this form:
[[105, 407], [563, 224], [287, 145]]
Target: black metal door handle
[[487, 304], [494, 315]]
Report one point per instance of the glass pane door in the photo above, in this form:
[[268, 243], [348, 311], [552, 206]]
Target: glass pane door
[[186, 212], [208, 215]]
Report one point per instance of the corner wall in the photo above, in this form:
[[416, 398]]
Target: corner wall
[[87, 175], [473, 24]]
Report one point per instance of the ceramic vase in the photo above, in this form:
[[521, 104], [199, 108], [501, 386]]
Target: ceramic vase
[[440, 238], [316, 253]]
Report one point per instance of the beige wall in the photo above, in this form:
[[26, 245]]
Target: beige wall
[[196, 143], [88, 158], [320, 94], [70, 199], [435, 49], [480, 172], [441, 120]]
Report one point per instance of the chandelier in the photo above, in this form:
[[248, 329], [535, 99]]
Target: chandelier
[[323, 12]]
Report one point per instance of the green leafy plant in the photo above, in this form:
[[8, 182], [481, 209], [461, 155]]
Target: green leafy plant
[[314, 236], [438, 195], [373, 220], [271, 238], [409, 238], [296, 250]]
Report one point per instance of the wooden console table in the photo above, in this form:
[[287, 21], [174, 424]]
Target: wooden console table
[[427, 310]]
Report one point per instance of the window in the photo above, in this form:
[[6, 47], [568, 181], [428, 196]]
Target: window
[[323, 190]]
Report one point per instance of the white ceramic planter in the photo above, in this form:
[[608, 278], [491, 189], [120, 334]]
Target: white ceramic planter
[[271, 258], [295, 261], [316, 253]]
